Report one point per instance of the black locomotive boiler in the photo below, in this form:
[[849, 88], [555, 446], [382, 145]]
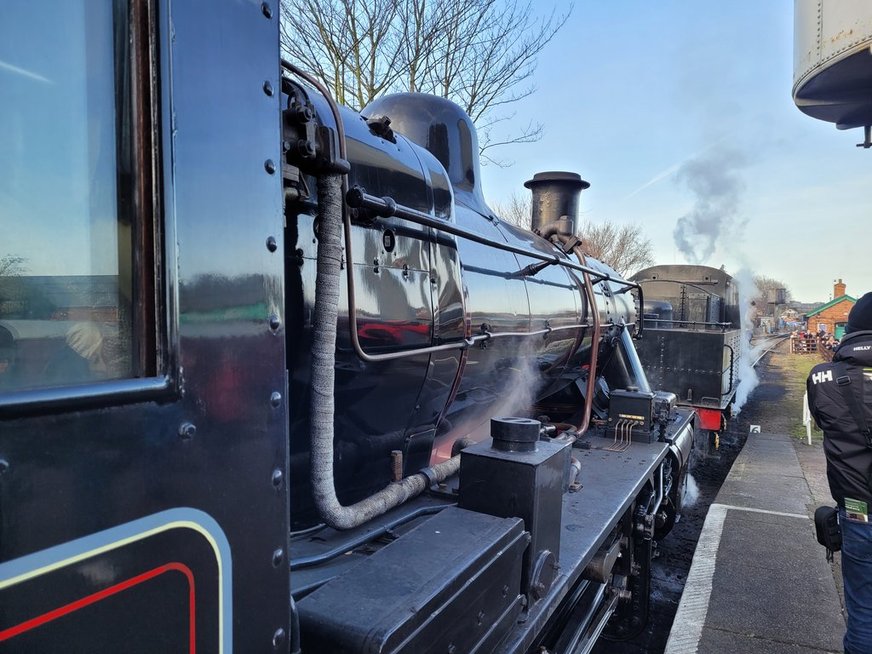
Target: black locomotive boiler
[[693, 337], [274, 377]]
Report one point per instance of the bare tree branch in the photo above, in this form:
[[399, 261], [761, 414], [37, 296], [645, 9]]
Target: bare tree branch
[[478, 53], [769, 287], [12, 265], [516, 210], [624, 247]]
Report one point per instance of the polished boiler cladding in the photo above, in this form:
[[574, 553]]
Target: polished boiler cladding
[[413, 291]]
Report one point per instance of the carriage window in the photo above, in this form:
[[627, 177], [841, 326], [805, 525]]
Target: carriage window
[[67, 282]]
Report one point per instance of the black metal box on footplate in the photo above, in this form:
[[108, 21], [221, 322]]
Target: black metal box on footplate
[[631, 416], [517, 475], [450, 585]]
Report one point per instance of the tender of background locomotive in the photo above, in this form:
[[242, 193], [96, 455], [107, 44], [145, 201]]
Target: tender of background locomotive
[[692, 342], [263, 414]]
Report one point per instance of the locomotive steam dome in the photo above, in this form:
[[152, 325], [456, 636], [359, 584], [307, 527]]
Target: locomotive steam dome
[[443, 128]]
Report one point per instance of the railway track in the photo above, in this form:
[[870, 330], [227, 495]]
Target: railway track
[[772, 342]]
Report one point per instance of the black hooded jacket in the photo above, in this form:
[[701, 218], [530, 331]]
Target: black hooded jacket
[[849, 456]]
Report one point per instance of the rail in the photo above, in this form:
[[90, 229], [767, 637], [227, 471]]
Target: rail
[[723, 326], [775, 341]]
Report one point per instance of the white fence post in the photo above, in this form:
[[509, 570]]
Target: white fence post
[[806, 416]]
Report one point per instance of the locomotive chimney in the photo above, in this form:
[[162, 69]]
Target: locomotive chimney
[[555, 194]]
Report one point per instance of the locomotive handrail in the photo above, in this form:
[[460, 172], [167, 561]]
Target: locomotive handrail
[[420, 218], [387, 207], [732, 361], [722, 325], [701, 282]]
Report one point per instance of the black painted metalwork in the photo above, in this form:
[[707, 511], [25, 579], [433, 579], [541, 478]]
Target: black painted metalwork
[[524, 482], [367, 536], [101, 486], [461, 595], [387, 207], [555, 195], [691, 351], [175, 490]]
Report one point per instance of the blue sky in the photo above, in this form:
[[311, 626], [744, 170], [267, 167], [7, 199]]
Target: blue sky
[[635, 96], [57, 147]]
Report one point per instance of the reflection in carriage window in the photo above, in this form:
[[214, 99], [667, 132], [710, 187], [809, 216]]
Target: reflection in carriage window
[[66, 281]]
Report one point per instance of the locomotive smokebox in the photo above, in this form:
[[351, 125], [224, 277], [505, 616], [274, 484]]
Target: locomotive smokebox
[[555, 194]]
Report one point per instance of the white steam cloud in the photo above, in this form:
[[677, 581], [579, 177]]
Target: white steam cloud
[[747, 355], [691, 491], [714, 178], [520, 384]]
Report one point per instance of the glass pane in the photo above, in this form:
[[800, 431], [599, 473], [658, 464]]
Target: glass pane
[[65, 210]]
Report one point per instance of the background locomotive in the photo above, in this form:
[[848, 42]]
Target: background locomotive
[[693, 341], [308, 323]]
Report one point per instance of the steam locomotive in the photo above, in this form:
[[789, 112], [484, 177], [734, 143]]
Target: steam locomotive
[[693, 318], [301, 341]]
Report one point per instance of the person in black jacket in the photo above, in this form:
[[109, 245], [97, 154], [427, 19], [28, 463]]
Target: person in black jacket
[[840, 399]]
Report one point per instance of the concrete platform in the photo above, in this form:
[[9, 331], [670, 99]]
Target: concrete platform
[[759, 582]]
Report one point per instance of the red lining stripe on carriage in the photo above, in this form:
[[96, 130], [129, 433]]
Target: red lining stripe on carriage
[[54, 614]]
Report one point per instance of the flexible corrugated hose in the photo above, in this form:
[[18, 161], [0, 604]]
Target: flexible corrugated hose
[[327, 284]]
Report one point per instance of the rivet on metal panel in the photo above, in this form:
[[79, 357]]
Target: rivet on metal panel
[[277, 557], [278, 478], [271, 244], [270, 166], [274, 322], [266, 9], [275, 399], [278, 638], [267, 88], [187, 430]]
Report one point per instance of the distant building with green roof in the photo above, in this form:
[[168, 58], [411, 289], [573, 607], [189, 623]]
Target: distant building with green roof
[[832, 316]]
